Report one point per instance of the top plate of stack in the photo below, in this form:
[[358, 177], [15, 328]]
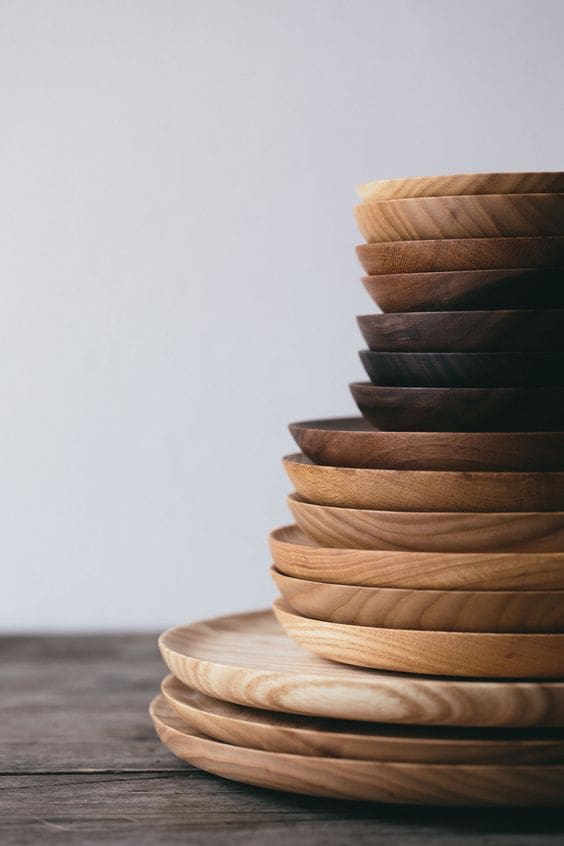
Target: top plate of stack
[[463, 183]]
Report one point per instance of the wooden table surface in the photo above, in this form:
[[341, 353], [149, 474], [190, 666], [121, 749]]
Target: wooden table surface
[[79, 763]]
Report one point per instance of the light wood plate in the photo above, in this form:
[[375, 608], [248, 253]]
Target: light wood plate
[[298, 555], [289, 733], [249, 660], [436, 653], [430, 531], [490, 611], [424, 490], [354, 442], [461, 254], [464, 216], [462, 183], [345, 778]]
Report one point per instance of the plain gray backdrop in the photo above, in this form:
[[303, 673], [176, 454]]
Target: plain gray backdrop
[[177, 272]]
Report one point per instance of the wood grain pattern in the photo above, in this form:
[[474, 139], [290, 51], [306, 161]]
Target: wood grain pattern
[[462, 183], [424, 490], [248, 659], [461, 409], [463, 216], [465, 331], [343, 778], [296, 554], [288, 733], [466, 654], [464, 369], [517, 288], [430, 531], [461, 254], [354, 442], [523, 611]]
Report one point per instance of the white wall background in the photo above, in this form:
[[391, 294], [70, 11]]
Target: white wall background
[[177, 276]]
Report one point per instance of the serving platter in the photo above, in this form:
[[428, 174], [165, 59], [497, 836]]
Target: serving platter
[[463, 183]]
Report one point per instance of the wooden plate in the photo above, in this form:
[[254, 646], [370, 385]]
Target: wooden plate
[[464, 370], [465, 331], [461, 254], [429, 610], [517, 288], [296, 554], [345, 778], [461, 409], [463, 183], [353, 442], [430, 531], [249, 660], [463, 216], [289, 733], [436, 653], [424, 490]]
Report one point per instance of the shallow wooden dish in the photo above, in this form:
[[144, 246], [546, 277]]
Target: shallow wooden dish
[[464, 369], [461, 409], [463, 216], [493, 611], [424, 490], [436, 653], [516, 288], [296, 554], [353, 442], [346, 778], [288, 733], [461, 254], [430, 531], [465, 331], [249, 660], [463, 183]]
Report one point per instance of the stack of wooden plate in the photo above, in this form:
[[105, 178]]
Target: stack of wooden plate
[[427, 559]]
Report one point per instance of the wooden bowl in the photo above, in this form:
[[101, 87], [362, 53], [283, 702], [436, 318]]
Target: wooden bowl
[[353, 442], [296, 554], [428, 610], [424, 490], [461, 254], [430, 531], [464, 370], [462, 183], [465, 331], [435, 653], [466, 216], [518, 288], [461, 409]]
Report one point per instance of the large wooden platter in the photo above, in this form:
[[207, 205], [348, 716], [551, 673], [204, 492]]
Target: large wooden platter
[[462, 183], [424, 490], [249, 660], [430, 531], [436, 653], [289, 733], [461, 254], [465, 216], [298, 555], [523, 611], [345, 778], [354, 442]]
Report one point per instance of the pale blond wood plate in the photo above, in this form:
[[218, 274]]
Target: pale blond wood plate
[[424, 490], [274, 732], [430, 610], [461, 254], [346, 778], [296, 554], [466, 654], [249, 660], [466, 216], [463, 183], [430, 531]]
